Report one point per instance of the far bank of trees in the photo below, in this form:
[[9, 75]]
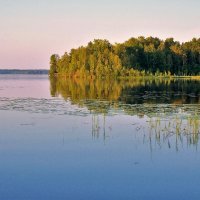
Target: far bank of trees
[[136, 57]]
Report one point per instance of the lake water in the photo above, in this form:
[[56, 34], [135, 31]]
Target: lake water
[[86, 139]]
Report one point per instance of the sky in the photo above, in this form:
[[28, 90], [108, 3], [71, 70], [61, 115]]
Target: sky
[[30, 31]]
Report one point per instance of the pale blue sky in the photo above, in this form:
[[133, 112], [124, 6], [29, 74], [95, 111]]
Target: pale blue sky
[[30, 31]]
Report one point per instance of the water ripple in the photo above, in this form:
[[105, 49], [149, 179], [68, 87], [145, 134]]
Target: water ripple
[[34, 105]]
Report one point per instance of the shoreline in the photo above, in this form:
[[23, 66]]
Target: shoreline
[[63, 75]]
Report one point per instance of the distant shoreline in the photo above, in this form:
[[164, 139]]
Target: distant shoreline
[[24, 71]]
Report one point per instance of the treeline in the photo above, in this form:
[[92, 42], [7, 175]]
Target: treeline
[[136, 57]]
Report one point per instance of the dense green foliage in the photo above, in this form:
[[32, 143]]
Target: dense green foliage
[[135, 57]]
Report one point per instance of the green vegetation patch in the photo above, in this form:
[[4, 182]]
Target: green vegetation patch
[[134, 58]]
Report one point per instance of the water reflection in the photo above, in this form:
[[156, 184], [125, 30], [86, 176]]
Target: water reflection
[[170, 108], [138, 91], [99, 139]]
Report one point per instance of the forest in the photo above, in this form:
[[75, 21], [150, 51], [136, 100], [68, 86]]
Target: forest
[[140, 56]]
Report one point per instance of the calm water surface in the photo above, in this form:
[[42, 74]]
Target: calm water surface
[[79, 139]]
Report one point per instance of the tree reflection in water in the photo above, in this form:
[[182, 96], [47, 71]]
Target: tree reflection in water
[[170, 106]]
